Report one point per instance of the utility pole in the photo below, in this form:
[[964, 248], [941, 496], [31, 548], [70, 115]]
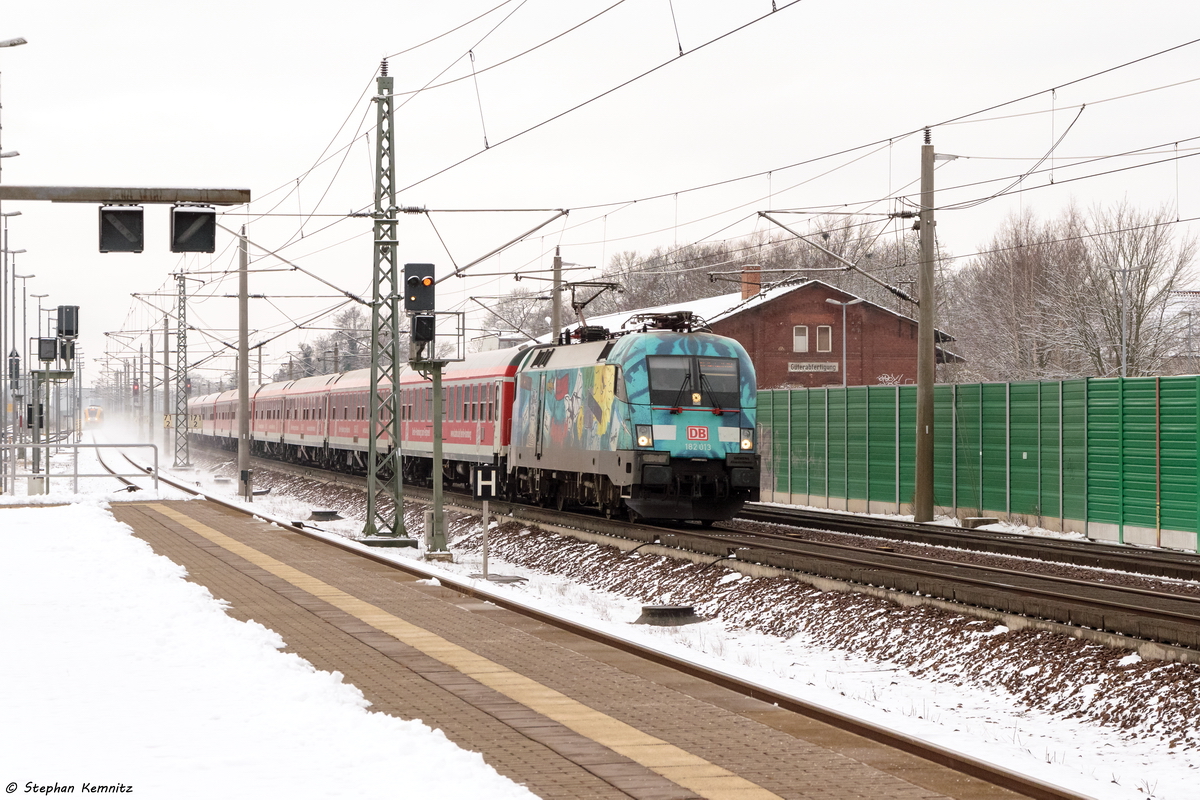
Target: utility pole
[[243, 412], [926, 355], [149, 392], [556, 296], [166, 380], [141, 406], [385, 335]]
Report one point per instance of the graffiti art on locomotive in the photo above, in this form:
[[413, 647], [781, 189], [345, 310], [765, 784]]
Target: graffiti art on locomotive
[[656, 423]]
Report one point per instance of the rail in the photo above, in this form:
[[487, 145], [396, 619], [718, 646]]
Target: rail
[[39, 482]]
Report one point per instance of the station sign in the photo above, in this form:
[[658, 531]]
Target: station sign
[[483, 482]]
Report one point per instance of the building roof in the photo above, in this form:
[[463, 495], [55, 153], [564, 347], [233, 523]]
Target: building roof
[[720, 307]]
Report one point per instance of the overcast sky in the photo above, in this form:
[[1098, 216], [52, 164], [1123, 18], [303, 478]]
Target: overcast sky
[[817, 106]]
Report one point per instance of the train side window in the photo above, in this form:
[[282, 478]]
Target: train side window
[[619, 385]]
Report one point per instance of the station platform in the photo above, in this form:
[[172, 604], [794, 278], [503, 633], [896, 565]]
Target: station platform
[[564, 715]]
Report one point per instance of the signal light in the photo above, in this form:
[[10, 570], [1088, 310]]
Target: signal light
[[419, 287], [137, 388], [121, 229], [193, 229], [68, 321]]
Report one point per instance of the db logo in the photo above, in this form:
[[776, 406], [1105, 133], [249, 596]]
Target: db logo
[[697, 433]]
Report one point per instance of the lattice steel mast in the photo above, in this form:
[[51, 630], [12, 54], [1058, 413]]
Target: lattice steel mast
[[385, 460], [182, 453]]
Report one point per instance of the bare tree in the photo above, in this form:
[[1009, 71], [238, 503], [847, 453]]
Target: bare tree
[[1006, 306], [1068, 297], [1121, 309], [523, 311]]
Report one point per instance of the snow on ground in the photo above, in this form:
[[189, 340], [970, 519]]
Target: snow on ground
[[1099, 721], [118, 671], [1102, 722]]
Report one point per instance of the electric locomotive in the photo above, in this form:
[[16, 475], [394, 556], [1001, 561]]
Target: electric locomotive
[[656, 424]]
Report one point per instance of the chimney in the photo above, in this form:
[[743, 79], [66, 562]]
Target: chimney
[[751, 281]]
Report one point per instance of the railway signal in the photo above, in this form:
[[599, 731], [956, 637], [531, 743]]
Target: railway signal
[[193, 229], [121, 229], [423, 327], [419, 288]]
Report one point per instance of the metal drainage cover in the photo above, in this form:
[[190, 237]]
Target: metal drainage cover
[[324, 516]]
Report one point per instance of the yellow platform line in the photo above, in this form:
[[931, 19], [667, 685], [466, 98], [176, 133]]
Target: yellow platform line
[[673, 763]]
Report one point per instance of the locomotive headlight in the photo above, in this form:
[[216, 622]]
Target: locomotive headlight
[[747, 438], [645, 435]]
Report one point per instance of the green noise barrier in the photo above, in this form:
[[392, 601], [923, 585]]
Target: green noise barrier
[[1115, 459]]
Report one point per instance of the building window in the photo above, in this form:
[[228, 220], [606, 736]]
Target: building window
[[800, 339], [824, 338]]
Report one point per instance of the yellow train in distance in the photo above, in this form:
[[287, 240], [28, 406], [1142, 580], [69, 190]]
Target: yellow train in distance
[[93, 417]]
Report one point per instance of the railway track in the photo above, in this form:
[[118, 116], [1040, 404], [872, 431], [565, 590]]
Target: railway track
[[1013, 781], [1169, 564], [1088, 603]]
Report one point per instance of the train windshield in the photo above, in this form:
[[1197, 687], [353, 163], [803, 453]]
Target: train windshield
[[719, 381], [670, 380], [693, 381]]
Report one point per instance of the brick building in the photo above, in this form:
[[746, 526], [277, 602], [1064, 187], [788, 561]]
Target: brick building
[[794, 335]]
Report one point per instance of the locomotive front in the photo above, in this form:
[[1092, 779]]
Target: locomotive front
[[658, 424], [692, 400]]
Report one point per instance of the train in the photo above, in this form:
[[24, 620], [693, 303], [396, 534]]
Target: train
[[656, 423], [93, 417]]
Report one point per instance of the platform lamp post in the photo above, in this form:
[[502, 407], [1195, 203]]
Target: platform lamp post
[[4, 422], [14, 364], [37, 322], [7, 434], [845, 364], [30, 357]]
